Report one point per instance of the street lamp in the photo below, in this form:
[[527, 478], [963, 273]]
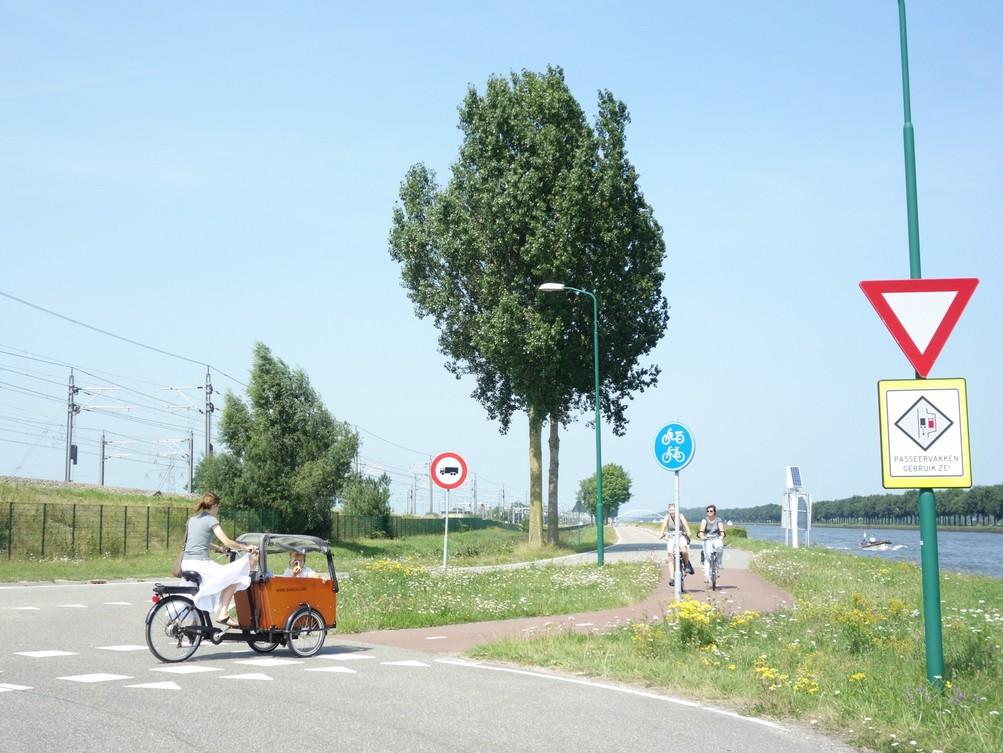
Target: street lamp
[[557, 287]]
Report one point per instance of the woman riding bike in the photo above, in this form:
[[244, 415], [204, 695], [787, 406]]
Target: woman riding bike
[[712, 534], [667, 531]]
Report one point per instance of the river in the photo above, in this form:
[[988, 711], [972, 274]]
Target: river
[[972, 552]]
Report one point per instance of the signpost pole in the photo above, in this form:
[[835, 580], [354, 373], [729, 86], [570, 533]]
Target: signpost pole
[[445, 535], [679, 578], [927, 501]]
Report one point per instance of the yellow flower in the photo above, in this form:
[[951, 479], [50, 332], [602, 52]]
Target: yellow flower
[[857, 677]]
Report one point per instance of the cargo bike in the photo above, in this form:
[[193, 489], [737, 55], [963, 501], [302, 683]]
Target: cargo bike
[[275, 610]]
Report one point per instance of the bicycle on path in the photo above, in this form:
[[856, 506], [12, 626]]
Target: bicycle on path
[[712, 555], [295, 612]]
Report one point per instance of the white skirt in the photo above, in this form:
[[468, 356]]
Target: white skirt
[[216, 578]]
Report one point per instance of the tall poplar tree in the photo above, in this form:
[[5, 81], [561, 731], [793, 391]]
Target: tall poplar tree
[[536, 195]]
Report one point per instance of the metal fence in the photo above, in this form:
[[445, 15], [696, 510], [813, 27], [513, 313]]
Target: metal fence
[[348, 527], [49, 529]]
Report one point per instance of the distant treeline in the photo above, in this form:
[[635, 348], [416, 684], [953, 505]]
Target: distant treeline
[[980, 505]]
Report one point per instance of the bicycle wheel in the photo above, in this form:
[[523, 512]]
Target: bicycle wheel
[[306, 632], [261, 645], [715, 560], [173, 629]]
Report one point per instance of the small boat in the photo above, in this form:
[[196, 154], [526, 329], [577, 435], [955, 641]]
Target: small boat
[[872, 542]]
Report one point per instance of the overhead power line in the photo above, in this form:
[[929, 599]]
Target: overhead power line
[[118, 337]]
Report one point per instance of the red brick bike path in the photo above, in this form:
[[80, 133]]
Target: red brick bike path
[[738, 591]]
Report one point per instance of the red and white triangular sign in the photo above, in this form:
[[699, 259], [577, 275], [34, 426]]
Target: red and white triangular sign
[[920, 314]]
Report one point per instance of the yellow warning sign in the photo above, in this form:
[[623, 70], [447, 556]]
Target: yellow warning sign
[[924, 434]]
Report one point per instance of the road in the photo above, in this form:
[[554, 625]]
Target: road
[[75, 675]]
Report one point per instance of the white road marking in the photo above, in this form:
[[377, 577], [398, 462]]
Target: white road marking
[[45, 654], [128, 647], [436, 637], [157, 685], [6, 687], [268, 662], [99, 677], [614, 688], [26, 609], [118, 604], [73, 606], [344, 670], [186, 669], [251, 676], [405, 663], [78, 585], [347, 657], [585, 624]]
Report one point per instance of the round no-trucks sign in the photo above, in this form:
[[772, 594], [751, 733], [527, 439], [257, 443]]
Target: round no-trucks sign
[[449, 470]]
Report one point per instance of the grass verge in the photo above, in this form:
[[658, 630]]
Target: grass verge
[[849, 658], [485, 547], [387, 594]]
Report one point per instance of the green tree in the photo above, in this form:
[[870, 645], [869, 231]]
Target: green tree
[[365, 495], [536, 195], [284, 451], [615, 491]]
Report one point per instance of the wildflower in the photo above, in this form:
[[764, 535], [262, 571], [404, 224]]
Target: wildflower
[[857, 677]]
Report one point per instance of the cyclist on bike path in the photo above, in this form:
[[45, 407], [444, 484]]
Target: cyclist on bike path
[[668, 528], [712, 534]]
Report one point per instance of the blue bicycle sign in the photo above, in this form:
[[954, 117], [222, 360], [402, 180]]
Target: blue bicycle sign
[[674, 446]]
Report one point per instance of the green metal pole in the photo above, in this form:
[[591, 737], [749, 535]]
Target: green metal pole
[[929, 557], [909, 141]]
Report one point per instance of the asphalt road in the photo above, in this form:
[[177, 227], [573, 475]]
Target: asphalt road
[[75, 675]]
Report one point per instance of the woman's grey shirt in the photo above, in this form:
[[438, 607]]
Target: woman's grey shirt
[[199, 535]]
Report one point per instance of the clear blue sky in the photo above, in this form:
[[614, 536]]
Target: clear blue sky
[[199, 178]]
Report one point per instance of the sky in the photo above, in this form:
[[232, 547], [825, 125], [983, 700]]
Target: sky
[[198, 179]]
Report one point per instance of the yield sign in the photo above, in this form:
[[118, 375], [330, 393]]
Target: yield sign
[[920, 314]]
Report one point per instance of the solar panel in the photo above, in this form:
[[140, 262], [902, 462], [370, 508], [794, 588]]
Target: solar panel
[[796, 475]]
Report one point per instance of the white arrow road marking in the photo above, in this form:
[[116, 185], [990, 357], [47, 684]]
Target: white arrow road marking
[[405, 663], [186, 669], [344, 670], [251, 676], [6, 686], [267, 662], [128, 647], [99, 677], [157, 685], [45, 654]]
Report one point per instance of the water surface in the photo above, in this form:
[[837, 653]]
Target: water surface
[[966, 551]]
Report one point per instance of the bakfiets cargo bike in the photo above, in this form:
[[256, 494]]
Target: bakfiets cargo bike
[[275, 610]]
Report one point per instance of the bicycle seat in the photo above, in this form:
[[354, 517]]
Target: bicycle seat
[[192, 577], [161, 589]]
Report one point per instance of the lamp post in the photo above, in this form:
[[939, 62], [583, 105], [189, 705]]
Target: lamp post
[[557, 287]]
